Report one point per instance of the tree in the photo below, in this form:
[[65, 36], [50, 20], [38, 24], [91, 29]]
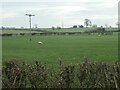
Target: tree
[[81, 26], [53, 28], [2, 28], [58, 27], [75, 26], [36, 26], [118, 24], [110, 26], [106, 25], [94, 25], [87, 22]]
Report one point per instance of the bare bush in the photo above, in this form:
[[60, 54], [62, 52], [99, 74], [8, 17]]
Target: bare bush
[[36, 75]]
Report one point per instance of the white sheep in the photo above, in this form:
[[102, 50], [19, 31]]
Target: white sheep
[[40, 43]]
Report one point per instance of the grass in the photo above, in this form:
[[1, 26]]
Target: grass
[[69, 49], [56, 30], [111, 29], [70, 30], [17, 31], [77, 29]]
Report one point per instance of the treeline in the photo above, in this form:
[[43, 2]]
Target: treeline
[[37, 75]]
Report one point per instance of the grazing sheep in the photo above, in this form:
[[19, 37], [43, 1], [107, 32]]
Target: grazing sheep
[[40, 43]]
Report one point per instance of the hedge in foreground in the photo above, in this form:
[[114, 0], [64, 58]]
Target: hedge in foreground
[[84, 75]]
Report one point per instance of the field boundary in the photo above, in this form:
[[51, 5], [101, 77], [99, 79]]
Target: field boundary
[[59, 33], [84, 75]]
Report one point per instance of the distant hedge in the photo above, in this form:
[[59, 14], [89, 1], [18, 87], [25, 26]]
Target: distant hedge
[[7, 34], [84, 75]]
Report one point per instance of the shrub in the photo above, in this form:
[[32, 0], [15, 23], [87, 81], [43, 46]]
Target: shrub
[[75, 26], [36, 75], [22, 34]]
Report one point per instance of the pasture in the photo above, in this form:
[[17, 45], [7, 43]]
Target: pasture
[[68, 49], [16, 31], [70, 29], [76, 29], [56, 30]]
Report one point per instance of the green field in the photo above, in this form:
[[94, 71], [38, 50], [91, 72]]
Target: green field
[[69, 49], [70, 30], [77, 29], [56, 30], [17, 31]]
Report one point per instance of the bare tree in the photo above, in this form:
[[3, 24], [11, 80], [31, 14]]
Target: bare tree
[[106, 25], [36, 26], [118, 24], [94, 25], [87, 22]]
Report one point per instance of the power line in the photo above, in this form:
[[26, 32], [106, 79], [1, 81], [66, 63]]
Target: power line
[[30, 15]]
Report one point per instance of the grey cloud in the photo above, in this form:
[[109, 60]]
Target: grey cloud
[[51, 13]]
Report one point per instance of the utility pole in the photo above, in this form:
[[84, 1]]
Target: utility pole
[[62, 25], [30, 15]]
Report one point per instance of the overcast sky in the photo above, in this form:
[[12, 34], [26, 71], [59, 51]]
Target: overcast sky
[[50, 13]]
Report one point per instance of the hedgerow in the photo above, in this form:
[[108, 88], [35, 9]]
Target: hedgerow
[[37, 75]]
